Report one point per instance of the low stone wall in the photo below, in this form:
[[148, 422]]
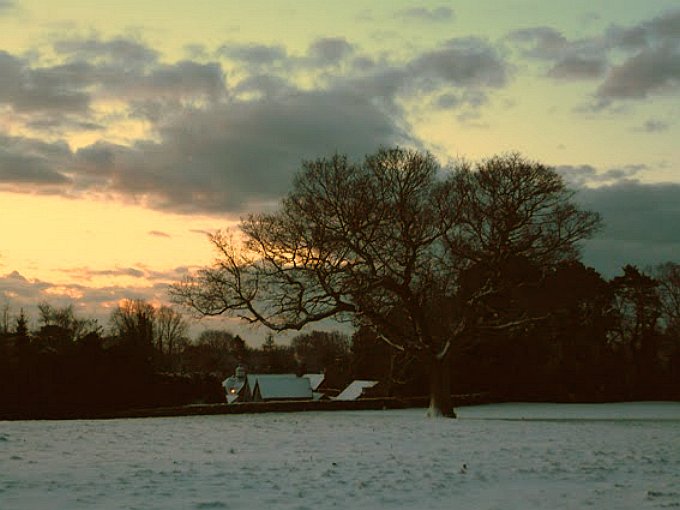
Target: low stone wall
[[290, 406], [287, 406]]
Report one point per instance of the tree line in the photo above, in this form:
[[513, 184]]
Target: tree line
[[597, 340], [455, 279]]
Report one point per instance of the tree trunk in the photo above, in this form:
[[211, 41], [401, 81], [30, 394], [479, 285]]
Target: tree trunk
[[441, 404]]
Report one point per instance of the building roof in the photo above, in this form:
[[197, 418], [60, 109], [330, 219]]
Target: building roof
[[315, 380], [355, 389], [281, 386]]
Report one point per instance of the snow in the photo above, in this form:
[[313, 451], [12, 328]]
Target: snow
[[282, 386], [315, 379], [355, 389], [528, 456]]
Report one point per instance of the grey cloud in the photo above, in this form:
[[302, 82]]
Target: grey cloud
[[265, 84], [330, 50], [63, 93], [471, 98], [649, 71], [26, 161], [650, 53], [14, 286], [462, 62], [240, 154], [471, 65], [21, 292], [254, 54], [158, 233], [85, 273], [238, 150], [51, 89], [125, 52], [653, 67], [662, 29], [56, 123], [442, 13], [184, 78], [578, 67], [586, 175], [6, 5], [640, 225], [654, 126], [572, 60], [540, 42]]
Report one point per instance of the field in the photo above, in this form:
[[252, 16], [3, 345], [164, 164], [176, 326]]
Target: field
[[494, 456]]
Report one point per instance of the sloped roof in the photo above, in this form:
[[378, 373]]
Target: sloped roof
[[355, 389], [281, 386], [315, 380]]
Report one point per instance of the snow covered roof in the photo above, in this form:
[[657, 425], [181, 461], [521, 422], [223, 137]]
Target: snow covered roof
[[315, 380], [355, 389], [280, 386], [233, 387]]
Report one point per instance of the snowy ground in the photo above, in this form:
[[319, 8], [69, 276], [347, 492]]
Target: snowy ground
[[518, 456]]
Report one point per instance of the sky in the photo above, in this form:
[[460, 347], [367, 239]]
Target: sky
[[130, 130]]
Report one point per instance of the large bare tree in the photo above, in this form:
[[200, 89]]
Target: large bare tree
[[386, 243]]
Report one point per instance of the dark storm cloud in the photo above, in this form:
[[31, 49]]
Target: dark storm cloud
[[435, 14], [640, 225]]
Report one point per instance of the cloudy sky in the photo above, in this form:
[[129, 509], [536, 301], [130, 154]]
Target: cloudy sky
[[130, 129]]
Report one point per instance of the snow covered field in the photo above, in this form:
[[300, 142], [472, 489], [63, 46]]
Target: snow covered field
[[623, 456]]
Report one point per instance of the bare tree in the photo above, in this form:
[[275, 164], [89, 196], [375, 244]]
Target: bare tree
[[5, 317], [668, 276], [170, 328], [386, 243], [133, 320]]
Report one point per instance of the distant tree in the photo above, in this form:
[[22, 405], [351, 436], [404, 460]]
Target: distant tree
[[668, 277], [321, 350], [215, 351], [21, 330], [171, 327], [637, 305], [133, 320], [276, 358], [387, 243], [61, 328], [5, 318]]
